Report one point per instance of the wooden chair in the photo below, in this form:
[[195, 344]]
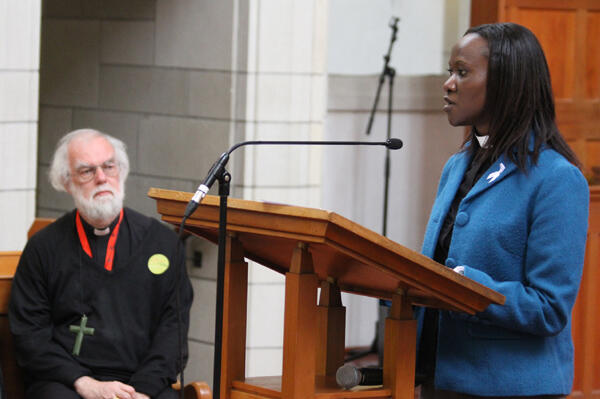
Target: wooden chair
[[13, 379], [195, 390]]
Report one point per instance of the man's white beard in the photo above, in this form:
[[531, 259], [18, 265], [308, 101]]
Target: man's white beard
[[99, 209]]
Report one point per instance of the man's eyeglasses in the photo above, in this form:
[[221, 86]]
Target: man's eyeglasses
[[87, 173]]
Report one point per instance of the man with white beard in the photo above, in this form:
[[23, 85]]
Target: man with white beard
[[94, 307]]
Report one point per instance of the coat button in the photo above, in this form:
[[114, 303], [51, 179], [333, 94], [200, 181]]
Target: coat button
[[462, 218], [450, 262]]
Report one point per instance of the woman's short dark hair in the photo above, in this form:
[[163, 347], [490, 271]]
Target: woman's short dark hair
[[519, 95]]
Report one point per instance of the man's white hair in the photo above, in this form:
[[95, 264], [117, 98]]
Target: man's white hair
[[59, 173]]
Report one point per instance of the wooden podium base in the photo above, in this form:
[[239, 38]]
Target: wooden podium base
[[325, 388], [316, 248]]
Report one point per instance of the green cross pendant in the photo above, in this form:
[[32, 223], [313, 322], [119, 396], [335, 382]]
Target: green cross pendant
[[81, 329]]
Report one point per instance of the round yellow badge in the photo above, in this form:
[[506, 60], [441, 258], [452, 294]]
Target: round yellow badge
[[158, 263]]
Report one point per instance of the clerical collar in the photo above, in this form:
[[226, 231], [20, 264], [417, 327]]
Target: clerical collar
[[89, 229], [110, 250], [482, 140], [102, 232]]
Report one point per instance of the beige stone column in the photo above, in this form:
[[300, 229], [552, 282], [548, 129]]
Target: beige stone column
[[285, 96], [19, 77]]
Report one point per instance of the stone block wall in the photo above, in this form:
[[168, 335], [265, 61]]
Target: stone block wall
[[19, 77], [157, 74], [118, 67], [179, 81]]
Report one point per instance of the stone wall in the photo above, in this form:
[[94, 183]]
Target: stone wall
[[179, 81], [158, 75], [19, 76]]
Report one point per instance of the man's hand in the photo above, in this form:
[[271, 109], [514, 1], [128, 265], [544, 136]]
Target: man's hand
[[89, 388], [139, 395]]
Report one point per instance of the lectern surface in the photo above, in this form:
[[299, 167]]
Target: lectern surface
[[358, 259]]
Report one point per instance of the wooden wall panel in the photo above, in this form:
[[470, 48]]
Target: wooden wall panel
[[569, 31], [592, 51], [593, 152], [555, 29], [586, 334], [585, 318]]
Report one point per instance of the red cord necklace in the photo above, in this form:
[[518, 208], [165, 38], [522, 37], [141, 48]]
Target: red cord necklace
[[110, 250]]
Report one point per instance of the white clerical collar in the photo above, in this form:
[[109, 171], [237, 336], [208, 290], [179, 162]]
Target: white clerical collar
[[102, 232], [482, 140]]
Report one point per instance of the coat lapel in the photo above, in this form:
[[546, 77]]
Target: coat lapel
[[502, 168], [494, 175], [443, 202], [454, 179]]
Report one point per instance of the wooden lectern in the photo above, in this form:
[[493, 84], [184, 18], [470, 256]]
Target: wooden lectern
[[315, 248]]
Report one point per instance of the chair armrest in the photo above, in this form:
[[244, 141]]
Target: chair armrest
[[195, 390]]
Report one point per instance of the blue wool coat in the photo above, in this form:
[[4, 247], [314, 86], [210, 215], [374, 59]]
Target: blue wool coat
[[523, 235]]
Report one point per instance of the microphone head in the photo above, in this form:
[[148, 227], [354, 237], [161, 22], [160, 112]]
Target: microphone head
[[347, 376], [393, 144]]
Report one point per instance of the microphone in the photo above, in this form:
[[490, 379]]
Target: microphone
[[206, 184], [349, 376], [217, 168], [394, 144]]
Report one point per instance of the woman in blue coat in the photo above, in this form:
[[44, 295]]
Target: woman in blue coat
[[511, 213]]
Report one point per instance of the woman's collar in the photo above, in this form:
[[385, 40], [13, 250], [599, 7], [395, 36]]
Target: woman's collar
[[482, 140]]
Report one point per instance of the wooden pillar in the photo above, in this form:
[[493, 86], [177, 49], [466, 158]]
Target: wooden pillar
[[299, 328], [400, 343], [233, 360], [331, 324]]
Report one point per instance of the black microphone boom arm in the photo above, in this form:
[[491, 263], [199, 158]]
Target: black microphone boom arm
[[219, 166]]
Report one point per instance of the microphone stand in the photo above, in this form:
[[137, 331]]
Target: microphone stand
[[224, 179], [390, 73], [220, 174]]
